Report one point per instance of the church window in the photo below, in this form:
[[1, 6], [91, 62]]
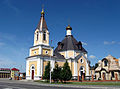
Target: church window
[[112, 74], [60, 45], [37, 35], [46, 52], [81, 60], [105, 63], [33, 67], [44, 36], [79, 45], [34, 52]]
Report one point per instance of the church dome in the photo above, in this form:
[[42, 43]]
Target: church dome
[[69, 43], [68, 27]]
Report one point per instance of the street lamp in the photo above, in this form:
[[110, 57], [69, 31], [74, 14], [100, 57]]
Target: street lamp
[[50, 61], [50, 67]]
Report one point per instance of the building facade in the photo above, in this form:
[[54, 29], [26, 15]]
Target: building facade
[[5, 72], [14, 73], [108, 69], [68, 49]]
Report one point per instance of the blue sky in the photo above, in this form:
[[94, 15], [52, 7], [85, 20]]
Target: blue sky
[[95, 22]]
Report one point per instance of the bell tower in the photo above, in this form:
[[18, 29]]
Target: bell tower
[[40, 53], [41, 35]]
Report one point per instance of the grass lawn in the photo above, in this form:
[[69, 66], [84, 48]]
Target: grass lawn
[[85, 83], [97, 83]]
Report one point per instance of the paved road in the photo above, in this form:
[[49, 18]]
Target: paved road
[[12, 84], [4, 85]]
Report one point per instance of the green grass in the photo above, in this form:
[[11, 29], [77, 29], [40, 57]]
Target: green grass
[[84, 83], [97, 83]]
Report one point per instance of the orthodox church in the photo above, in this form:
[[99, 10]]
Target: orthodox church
[[68, 49]]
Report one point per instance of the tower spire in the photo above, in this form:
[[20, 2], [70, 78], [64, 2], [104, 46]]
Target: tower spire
[[42, 23]]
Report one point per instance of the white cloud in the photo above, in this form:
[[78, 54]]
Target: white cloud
[[109, 43], [118, 42], [113, 42], [105, 42], [83, 43], [92, 57], [1, 43]]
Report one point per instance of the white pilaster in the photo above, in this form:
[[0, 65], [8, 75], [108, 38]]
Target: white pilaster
[[41, 67], [75, 68], [40, 50], [38, 67], [27, 68], [87, 69]]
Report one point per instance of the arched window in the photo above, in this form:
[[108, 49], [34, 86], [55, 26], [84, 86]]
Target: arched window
[[79, 45], [44, 35], [81, 68], [81, 61], [33, 67], [105, 63], [37, 36]]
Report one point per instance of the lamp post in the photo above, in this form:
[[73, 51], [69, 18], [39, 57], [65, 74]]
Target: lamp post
[[50, 65], [50, 61], [50, 74]]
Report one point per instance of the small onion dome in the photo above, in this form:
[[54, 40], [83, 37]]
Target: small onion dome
[[42, 12], [68, 27]]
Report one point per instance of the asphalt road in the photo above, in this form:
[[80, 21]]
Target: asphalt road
[[24, 84], [4, 85]]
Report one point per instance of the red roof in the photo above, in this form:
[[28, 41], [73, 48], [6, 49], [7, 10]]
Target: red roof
[[14, 69]]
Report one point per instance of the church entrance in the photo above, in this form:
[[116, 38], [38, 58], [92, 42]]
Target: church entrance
[[82, 72], [32, 74], [104, 76]]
